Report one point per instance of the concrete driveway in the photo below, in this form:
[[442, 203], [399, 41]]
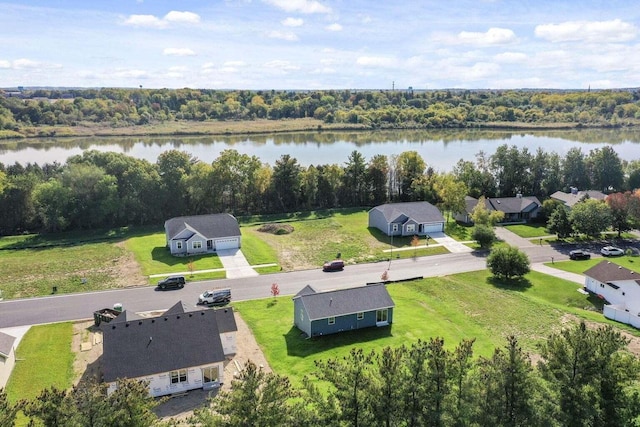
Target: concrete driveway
[[452, 245], [235, 264]]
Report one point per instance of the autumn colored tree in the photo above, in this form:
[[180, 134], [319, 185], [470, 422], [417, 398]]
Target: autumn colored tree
[[619, 204]]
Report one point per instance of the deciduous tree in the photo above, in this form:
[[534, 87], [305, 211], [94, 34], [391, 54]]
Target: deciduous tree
[[507, 262]]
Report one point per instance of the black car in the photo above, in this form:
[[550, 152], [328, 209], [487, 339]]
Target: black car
[[579, 254], [172, 282], [335, 265]]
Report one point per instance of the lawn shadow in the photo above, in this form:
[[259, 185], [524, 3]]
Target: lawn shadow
[[519, 284], [298, 345]]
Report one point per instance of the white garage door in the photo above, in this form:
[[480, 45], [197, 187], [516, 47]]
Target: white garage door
[[432, 228], [226, 244]]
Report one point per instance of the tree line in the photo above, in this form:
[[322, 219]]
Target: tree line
[[104, 189], [366, 108], [584, 377]]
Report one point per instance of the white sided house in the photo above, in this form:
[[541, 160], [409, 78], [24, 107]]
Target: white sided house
[[620, 287], [7, 357], [198, 234], [407, 219], [183, 349]]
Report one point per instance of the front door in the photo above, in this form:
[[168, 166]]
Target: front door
[[209, 245]]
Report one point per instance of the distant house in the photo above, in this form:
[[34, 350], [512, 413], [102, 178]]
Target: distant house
[[182, 349], [620, 287], [330, 312], [198, 234], [407, 219], [7, 357], [575, 196], [516, 209]]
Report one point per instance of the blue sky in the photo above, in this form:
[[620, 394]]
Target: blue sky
[[321, 44]]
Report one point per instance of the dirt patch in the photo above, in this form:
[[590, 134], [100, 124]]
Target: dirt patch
[[634, 342], [87, 345], [128, 272], [276, 228]]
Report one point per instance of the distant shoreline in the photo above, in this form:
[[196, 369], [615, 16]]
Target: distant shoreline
[[246, 127]]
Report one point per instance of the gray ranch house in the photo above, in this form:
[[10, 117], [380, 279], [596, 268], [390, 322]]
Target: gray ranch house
[[516, 209], [618, 286], [575, 196], [407, 219], [331, 312], [188, 235], [183, 349]]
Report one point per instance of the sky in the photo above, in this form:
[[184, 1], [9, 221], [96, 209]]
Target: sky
[[321, 44]]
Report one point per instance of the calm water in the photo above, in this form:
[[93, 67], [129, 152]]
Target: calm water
[[440, 149]]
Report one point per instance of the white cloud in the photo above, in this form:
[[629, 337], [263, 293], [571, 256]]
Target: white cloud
[[493, 36], [282, 35], [333, 27], [182, 17], [208, 65], [140, 74], [23, 63], [5, 64], [300, 6], [510, 57], [324, 70], [375, 61], [292, 22], [178, 69], [280, 65], [234, 64], [145, 21], [590, 31], [178, 51], [151, 21]]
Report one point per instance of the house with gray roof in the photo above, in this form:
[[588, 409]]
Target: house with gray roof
[[575, 196], [7, 357], [407, 219], [331, 312], [188, 235], [183, 349], [619, 287], [516, 209]]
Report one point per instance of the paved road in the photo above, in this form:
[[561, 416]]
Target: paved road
[[81, 306]]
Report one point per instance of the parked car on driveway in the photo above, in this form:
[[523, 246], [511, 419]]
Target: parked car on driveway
[[335, 265], [579, 254], [611, 251], [172, 282]]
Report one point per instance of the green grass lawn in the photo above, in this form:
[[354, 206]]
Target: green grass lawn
[[459, 232], [152, 255], [468, 305], [257, 251], [45, 360], [580, 266], [528, 231]]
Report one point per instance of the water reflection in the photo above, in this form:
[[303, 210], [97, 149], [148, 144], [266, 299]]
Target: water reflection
[[440, 148]]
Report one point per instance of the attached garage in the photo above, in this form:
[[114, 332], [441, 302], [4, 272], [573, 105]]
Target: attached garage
[[231, 243], [432, 228]]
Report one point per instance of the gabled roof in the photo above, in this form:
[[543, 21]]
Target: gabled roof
[[606, 271], [572, 198], [320, 305], [226, 320], [210, 226], [126, 316], [6, 344], [181, 308], [307, 290], [420, 212], [505, 204], [161, 344]]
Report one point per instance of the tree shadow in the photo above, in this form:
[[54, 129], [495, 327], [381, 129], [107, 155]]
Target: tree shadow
[[519, 284], [298, 345]]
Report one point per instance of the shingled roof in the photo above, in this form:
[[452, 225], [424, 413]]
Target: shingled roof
[[321, 305], [418, 211], [606, 271], [6, 344], [174, 340], [210, 226]]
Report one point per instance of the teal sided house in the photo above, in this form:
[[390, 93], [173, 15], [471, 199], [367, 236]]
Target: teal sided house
[[187, 235], [331, 312]]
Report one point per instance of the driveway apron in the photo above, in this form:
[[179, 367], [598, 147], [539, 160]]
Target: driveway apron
[[452, 245], [235, 264], [512, 238]]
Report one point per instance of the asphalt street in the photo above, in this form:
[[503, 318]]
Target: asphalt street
[[57, 308]]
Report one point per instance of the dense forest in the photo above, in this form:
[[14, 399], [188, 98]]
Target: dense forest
[[583, 377], [98, 189], [367, 108]]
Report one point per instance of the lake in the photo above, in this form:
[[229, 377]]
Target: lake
[[440, 149]]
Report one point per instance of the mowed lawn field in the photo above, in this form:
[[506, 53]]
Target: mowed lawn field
[[463, 306]]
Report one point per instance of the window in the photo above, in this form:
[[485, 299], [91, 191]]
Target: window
[[360, 316], [179, 376], [381, 316], [210, 374], [178, 245], [332, 320], [411, 228], [394, 227], [197, 245]]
